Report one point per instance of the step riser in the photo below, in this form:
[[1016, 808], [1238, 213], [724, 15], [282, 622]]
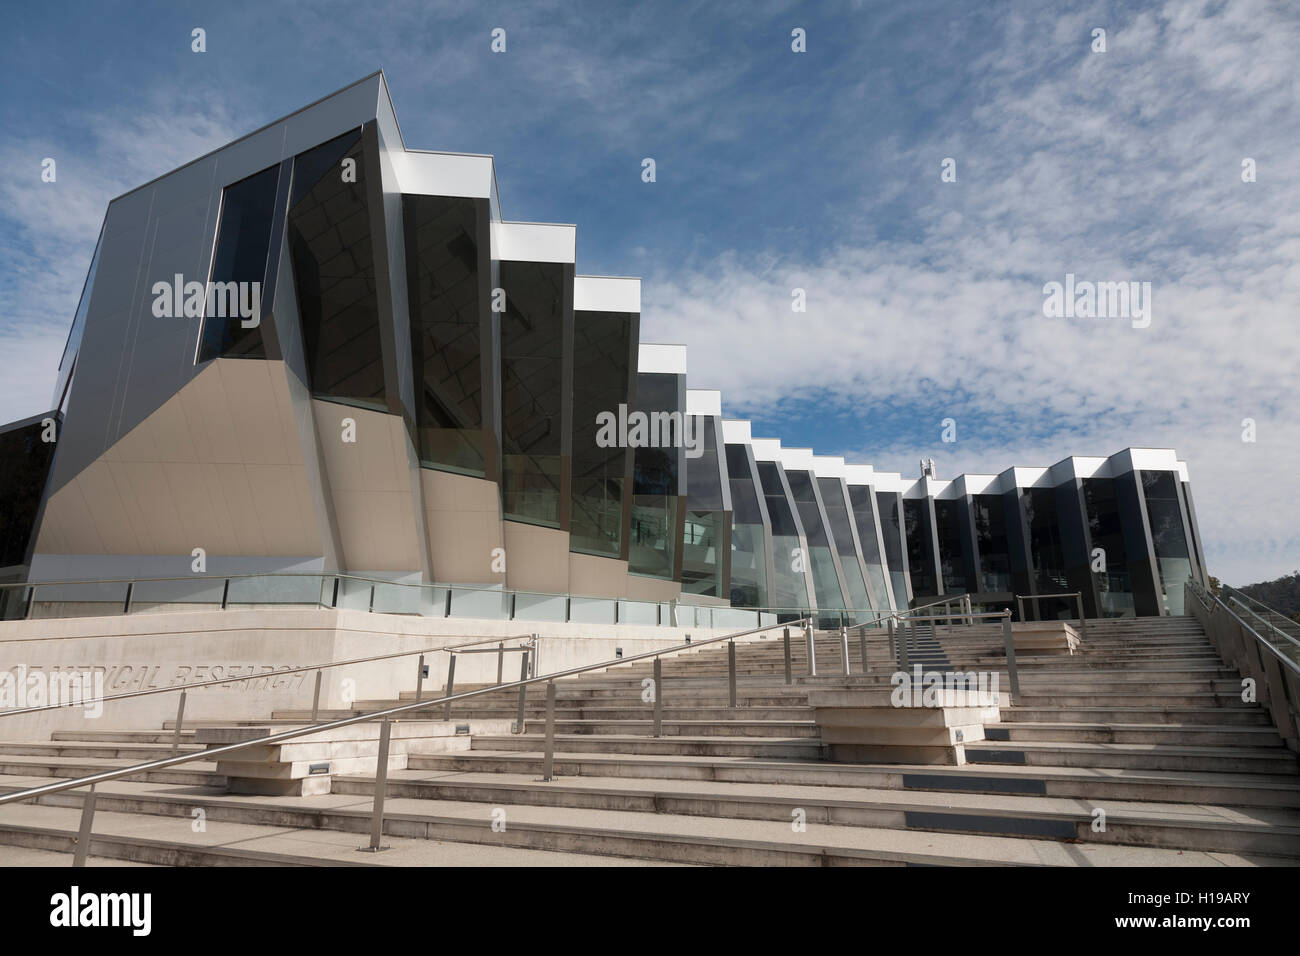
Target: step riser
[[1280, 765], [925, 819], [1100, 789]]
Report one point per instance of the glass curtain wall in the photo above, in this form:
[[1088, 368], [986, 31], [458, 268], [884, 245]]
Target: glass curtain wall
[[826, 582], [706, 536], [1047, 555], [448, 283], [602, 381], [863, 506], [748, 533], [891, 530], [534, 329], [788, 558], [240, 256], [1173, 558], [1114, 589], [991, 536], [842, 536], [920, 563], [334, 274], [657, 512]]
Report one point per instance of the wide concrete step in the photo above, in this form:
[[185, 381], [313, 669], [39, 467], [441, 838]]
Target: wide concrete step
[[1221, 716], [1221, 789], [771, 747], [1138, 733], [1180, 826], [139, 752], [126, 736], [329, 831], [132, 834], [1135, 756], [685, 728], [193, 773]]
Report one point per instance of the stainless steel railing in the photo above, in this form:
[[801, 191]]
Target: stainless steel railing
[[1259, 651]]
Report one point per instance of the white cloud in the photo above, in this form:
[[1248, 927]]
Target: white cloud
[[1116, 166]]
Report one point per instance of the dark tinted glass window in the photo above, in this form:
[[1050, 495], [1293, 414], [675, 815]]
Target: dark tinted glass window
[[748, 540], [532, 375], [657, 480], [948, 530], [1173, 556], [444, 258], [24, 465], [1046, 552], [243, 242], [1107, 533], [602, 343], [334, 273], [919, 560], [991, 536]]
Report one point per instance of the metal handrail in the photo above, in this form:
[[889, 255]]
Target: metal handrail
[[1263, 620], [450, 648], [19, 796], [1211, 602], [908, 612]]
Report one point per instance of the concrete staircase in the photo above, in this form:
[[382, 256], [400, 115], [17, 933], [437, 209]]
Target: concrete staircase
[[1145, 724]]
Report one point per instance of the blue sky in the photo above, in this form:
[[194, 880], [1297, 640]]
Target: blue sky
[[776, 171]]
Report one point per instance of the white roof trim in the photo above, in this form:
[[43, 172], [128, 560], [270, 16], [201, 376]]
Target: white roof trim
[[829, 466], [534, 242], [704, 401], [797, 459], [661, 359], [736, 431], [442, 174], [606, 294]]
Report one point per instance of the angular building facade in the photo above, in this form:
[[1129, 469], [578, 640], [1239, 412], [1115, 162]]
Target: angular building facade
[[316, 349]]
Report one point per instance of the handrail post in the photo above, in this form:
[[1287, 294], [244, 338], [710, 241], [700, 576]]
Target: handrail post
[[789, 678], [419, 679], [1083, 621], [893, 648], [537, 652], [501, 660], [903, 642], [176, 731], [83, 834], [126, 605], [862, 646], [315, 697], [731, 675], [812, 648], [548, 760], [844, 649], [1020, 608], [451, 683], [523, 691], [659, 698], [1009, 643], [381, 786], [970, 611]]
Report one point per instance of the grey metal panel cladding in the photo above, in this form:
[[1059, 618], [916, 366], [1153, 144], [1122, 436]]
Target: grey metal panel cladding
[[284, 312], [130, 362], [394, 237]]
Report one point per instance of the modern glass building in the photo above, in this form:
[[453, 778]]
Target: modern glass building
[[318, 349]]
